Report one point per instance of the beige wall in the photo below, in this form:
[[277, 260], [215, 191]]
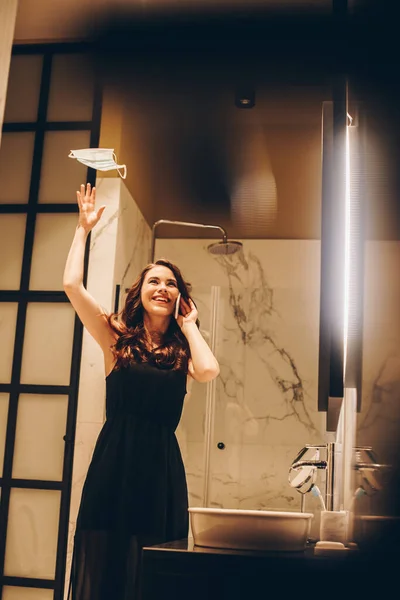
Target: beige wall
[[8, 12], [111, 123]]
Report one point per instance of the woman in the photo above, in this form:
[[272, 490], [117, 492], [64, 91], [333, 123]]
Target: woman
[[135, 492]]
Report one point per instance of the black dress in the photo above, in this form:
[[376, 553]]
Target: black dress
[[135, 492]]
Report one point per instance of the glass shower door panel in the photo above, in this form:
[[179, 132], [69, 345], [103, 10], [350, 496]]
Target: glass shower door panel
[[229, 405], [191, 433]]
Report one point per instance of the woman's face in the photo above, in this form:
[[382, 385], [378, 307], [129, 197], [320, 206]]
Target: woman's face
[[159, 291]]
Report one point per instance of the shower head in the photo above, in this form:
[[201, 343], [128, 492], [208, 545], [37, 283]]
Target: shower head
[[224, 247], [220, 248]]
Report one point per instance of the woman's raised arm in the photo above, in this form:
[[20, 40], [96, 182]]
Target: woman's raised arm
[[87, 308]]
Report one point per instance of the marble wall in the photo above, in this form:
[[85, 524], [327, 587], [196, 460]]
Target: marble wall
[[119, 249], [266, 394], [378, 423]]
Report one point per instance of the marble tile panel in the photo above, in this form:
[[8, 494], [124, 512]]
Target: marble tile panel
[[133, 243]]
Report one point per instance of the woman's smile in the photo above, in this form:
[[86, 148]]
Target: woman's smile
[[160, 289]]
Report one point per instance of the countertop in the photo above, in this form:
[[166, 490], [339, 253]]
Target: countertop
[[188, 548]]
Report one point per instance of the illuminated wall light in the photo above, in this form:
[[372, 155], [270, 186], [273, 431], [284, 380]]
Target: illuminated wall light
[[347, 248], [354, 253], [341, 257]]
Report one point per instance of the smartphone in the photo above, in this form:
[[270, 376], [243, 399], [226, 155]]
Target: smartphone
[[177, 305]]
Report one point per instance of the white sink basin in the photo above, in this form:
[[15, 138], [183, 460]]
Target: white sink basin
[[250, 529]]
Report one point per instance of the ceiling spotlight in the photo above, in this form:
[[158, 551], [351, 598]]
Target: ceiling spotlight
[[245, 98]]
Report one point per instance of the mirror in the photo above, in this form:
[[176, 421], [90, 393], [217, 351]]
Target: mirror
[[376, 460]]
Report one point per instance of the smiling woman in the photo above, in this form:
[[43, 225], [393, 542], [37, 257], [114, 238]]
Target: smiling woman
[[135, 493], [146, 330]]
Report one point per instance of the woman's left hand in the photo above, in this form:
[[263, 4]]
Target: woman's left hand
[[187, 313]]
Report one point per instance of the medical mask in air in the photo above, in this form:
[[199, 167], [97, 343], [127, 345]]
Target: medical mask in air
[[101, 159]]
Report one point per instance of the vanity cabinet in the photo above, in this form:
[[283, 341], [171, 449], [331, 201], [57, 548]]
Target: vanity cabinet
[[181, 571]]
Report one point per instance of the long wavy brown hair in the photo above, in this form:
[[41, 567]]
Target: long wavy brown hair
[[132, 345]]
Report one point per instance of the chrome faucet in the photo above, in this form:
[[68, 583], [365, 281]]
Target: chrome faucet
[[303, 471], [369, 469]]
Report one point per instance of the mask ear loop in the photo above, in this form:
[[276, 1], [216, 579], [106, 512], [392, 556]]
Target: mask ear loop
[[124, 168], [119, 166]]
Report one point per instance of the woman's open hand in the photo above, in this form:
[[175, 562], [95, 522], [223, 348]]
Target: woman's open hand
[[88, 216], [188, 313]]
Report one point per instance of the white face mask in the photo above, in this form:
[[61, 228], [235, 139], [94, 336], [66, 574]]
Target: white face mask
[[102, 159]]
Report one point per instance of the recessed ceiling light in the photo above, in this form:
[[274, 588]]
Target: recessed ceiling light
[[245, 98]]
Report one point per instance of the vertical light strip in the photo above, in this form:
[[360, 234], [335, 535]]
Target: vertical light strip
[[347, 229]]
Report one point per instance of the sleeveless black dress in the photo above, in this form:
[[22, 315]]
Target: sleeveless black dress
[[135, 493]]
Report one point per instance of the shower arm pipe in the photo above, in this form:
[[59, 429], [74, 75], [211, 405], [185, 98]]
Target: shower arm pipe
[[184, 224]]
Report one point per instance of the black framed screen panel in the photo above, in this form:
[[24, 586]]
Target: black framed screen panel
[[26, 302]]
